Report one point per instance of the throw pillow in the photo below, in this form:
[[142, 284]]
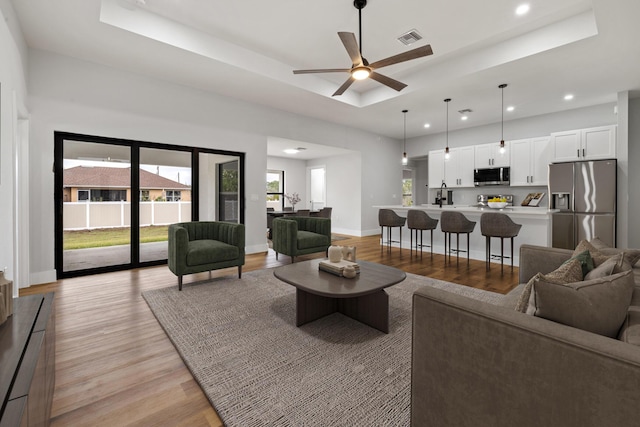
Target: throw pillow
[[570, 271], [596, 256], [585, 259], [599, 306], [607, 268], [631, 255]]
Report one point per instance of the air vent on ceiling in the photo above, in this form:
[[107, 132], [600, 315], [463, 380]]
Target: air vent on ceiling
[[465, 111], [410, 37]]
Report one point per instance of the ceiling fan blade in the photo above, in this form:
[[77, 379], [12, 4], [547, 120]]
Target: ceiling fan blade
[[344, 86], [387, 81], [402, 57], [350, 43], [325, 70]]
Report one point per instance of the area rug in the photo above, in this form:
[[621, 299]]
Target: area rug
[[238, 337]]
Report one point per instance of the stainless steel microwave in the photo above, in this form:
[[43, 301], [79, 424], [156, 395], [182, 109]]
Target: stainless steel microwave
[[491, 176]]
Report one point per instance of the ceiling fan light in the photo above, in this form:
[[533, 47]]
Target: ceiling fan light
[[360, 73]]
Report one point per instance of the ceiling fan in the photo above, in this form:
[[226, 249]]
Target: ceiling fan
[[361, 69]]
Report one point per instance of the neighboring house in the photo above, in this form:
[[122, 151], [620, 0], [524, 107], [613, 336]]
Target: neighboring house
[[103, 184]]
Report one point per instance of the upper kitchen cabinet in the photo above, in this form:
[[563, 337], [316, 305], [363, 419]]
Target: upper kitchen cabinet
[[529, 161], [458, 168], [584, 144], [436, 168], [489, 156]]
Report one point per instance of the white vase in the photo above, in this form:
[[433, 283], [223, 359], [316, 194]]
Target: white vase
[[335, 253], [349, 272]]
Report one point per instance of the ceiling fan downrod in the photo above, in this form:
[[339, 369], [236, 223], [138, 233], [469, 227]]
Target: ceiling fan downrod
[[360, 4]]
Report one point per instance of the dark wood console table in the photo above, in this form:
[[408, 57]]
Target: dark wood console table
[[27, 361]]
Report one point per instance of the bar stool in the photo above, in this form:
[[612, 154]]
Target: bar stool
[[502, 226], [455, 223], [419, 221], [388, 218]]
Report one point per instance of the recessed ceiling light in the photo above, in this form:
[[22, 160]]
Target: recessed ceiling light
[[523, 9], [464, 118], [427, 125], [568, 97], [291, 151], [511, 108]]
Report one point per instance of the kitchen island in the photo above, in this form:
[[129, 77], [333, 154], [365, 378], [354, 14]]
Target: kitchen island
[[536, 229]]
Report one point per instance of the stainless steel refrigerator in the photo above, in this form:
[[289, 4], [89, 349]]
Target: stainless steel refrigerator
[[585, 193]]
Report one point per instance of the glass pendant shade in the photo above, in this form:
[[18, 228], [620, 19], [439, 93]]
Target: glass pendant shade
[[405, 161], [446, 150], [502, 148]]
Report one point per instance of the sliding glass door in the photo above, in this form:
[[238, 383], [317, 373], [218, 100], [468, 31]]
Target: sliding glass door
[[115, 199], [164, 197], [96, 205]]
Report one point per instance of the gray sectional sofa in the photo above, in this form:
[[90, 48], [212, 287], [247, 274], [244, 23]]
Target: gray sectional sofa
[[477, 364]]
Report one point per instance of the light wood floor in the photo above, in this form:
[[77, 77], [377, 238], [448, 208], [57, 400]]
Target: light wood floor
[[116, 367]]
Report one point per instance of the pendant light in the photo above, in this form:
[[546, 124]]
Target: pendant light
[[446, 150], [502, 149], [404, 155]]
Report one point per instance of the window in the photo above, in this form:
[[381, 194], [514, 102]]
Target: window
[[144, 195], [172, 195], [275, 189], [83, 195], [407, 187], [108, 195]]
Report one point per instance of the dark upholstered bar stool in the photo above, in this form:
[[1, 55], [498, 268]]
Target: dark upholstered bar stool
[[420, 221], [388, 218], [455, 223], [498, 225]]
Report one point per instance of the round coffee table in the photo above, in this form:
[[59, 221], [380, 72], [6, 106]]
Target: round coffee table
[[319, 293]]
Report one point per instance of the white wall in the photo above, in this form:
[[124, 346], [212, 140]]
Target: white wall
[[344, 192], [12, 107], [76, 96], [634, 173]]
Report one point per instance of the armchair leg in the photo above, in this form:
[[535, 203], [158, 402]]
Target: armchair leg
[[179, 283], [276, 256], [239, 272]]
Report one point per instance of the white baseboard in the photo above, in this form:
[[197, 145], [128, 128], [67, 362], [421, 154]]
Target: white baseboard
[[41, 277], [357, 233], [254, 249]]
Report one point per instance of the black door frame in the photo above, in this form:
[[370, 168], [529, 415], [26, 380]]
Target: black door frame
[[58, 165]]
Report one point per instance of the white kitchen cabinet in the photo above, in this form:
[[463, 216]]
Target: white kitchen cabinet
[[489, 155], [529, 161], [458, 169], [584, 144], [436, 168]]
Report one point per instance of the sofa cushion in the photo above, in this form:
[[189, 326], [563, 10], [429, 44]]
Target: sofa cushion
[[631, 255], [630, 331], [607, 268], [570, 271], [207, 251], [308, 239], [599, 306]]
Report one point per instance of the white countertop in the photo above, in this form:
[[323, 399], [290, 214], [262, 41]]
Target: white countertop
[[516, 211]]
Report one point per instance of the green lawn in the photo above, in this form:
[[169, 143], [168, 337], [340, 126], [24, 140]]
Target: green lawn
[[101, 237]]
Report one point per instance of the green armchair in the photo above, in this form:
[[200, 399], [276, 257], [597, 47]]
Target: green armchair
[[204, 246], [295, 235]]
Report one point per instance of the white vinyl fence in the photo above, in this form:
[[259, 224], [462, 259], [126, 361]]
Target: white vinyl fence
[[90, 215]]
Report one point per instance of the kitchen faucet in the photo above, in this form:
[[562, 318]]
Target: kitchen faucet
[[441, 187]]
